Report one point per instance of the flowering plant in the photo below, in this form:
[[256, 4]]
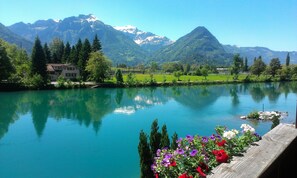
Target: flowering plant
[[196, 156]]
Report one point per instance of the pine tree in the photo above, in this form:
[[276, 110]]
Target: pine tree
[[57, 50], [72, 55], [83, 58], [78, 48], [145, 156], [155, 137], [288, 60], [174, 139], [47, 54], [237, 66], [96, 46], [38, 60], [164, 142], [119, 76], [66, 53], [245, 66]]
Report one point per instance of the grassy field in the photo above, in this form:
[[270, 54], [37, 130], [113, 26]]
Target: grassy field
[[168, 78]]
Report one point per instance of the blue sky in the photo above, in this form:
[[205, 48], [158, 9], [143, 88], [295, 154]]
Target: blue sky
[[268, 23]]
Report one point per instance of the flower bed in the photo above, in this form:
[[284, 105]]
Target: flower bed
[[196, 156]]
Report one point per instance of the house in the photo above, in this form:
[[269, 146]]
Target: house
[[223, 70], [67, 71]]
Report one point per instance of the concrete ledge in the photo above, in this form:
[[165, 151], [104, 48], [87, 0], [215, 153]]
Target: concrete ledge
[[273, 156]]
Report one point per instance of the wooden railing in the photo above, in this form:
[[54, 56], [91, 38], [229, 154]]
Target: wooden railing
[[275, 156]]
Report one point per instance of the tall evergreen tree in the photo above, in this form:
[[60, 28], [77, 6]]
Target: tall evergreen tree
[[155, 137], [78, 48], [47, 53], [72, 55], [119, 76], [96, 46], [57, 50], [145, 156], [245, 65], [288, 60], [275, 66], [174, 139], [38, 60], [164, 142], [84, 55], [236, 66], [66, 53], [5, 64]]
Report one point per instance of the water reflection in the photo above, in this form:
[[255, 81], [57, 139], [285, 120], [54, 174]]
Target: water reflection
[[88, 107]]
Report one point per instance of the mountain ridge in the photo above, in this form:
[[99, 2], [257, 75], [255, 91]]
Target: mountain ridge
[[13, 38], [147, 40], [198, 46], [116, 45], [133, 46]]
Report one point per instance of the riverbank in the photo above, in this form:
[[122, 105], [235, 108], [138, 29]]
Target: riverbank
[[145, 80]]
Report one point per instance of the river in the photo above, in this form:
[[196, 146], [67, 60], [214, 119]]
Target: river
[[94, 132]]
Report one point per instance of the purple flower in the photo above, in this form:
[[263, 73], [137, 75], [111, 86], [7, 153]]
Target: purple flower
[[180, 151], [168, 156], [153, 167], [189, 138], [193, 152], [219, 137], [204, 139], [179, 140], [158, 152], [165, 162], [212, 137]]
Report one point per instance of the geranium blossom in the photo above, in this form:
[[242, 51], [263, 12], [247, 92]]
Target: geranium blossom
[[221, 143], [221, 156]]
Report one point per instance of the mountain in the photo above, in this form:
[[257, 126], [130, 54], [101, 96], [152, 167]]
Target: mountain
[[147, 40], [13, 38], [199, 46], [116, 45], [265, 53]]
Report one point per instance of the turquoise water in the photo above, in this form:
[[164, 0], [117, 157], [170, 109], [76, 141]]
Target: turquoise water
[[94, 132]]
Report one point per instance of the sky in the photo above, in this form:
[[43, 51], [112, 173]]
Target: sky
[[245, 23]]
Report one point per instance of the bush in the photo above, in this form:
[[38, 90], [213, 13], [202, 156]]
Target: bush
[[253, 115]]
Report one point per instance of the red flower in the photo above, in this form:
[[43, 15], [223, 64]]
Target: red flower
[[185, 175], [172, 164], [201, 173], [221, 143], [157, 175], [204, 166], [221, 156]]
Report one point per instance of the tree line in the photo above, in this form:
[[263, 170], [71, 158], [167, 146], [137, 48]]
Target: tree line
[[17, 67]]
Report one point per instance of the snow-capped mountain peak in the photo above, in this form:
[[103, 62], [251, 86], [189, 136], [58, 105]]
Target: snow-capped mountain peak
[[92, 18], [127, 29], [142, 38]]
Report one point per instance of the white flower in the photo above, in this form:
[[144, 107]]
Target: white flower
[[229, 134], [247, 127], [235, 131]]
